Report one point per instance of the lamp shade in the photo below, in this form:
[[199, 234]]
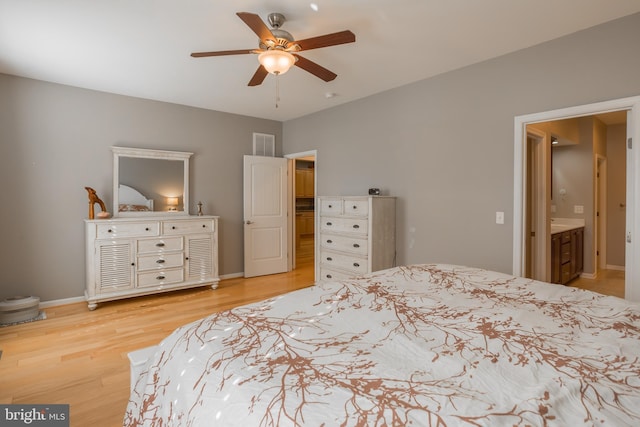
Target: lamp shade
[[276, 61], [172, 202]]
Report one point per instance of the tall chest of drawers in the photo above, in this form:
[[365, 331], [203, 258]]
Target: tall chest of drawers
[[139, 256], [356, 235]]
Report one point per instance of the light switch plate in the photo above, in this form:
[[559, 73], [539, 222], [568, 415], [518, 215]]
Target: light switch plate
[[578, 209], [499, 217]]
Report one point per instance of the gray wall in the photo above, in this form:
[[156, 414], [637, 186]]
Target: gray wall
[[55, 140], [444, 146]]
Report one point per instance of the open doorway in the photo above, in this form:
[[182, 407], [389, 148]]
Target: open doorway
[[302, 167], [567, 200], [580, 204]]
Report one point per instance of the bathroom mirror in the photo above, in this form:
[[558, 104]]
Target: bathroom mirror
[[150, 182]]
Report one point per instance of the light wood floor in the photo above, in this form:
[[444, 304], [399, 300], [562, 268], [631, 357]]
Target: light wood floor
[[608, 282], [79, 357]]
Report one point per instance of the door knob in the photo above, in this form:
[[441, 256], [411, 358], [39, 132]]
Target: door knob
[[248, 222]]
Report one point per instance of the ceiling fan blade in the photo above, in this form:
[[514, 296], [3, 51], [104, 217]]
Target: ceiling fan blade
[[222, 53], [315, 69], [258, 26], [258, 77], [333, 39]]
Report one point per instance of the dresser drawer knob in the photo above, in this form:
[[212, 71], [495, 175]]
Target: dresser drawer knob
[[160, 261], [173, 227], [330, 206], [355, 245], [160, 277], [146, 229], [355, 207], [329, 276], [355, 264], [160, 245], [204, 225], [329, 241], [329, 258], [329, 224], [356, 226], [109, 230]]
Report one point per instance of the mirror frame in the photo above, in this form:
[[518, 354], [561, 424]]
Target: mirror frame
[[144, 153]]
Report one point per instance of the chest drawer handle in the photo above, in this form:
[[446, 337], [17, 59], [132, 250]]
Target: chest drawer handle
[[328, 276], [109, 231], [330, 206], [160, 245], [160, 277], [173, 228], [329, 258], [355, 264], [160, 261], [355, 245], [329, 241], [329, 224], [204, 225], [356, 226], [146, 229], [355, 207]]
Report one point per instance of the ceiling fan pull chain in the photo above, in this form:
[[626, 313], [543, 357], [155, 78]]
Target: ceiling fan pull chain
[[277, 89]]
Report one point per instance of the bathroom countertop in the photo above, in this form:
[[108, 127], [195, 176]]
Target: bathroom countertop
[[559, 225]]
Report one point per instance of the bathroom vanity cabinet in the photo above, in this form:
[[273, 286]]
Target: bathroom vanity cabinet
[[567, 255]]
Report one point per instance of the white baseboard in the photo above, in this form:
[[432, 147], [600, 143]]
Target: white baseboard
[[588, 275], [615, 267], [65, 301]]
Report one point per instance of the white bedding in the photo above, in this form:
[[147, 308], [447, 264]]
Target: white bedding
[[423, 345]]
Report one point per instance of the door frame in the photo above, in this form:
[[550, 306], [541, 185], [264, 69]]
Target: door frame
[[632, 253], [291, 195], [540, 209], [600, 253]]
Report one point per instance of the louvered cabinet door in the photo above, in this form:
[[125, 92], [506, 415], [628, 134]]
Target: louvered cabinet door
[[200, 257], [114, 266]]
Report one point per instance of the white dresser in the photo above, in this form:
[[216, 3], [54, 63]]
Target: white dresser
[[128, 257], [356, 235]]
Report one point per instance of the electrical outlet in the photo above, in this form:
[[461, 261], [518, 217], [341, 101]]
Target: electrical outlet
[[499, 217], [578, 209]]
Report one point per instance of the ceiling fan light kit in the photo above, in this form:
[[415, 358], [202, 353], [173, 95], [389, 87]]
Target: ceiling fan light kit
[[276, 47], [276, 61]]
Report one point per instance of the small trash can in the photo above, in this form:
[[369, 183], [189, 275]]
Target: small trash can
[[19, 309]]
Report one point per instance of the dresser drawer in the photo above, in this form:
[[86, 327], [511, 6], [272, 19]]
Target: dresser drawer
[[354, 264], [331, 206], [344, 243], [161, 277], [160, 261], [127, 229], [356, 207], [187, 227], [160, 245], [344, 225], [330, 274]]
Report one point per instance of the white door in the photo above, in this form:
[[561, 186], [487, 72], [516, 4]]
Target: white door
[[265, 215]]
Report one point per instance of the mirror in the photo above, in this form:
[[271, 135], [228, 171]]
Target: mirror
[[150, 182]]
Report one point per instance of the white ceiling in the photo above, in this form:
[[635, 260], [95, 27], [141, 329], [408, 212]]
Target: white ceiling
[[141, 47]]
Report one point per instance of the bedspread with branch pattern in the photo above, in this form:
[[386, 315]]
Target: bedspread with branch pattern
[[421, 345]]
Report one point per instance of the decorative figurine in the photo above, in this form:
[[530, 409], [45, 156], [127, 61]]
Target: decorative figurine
[[199, 208], [93, 199]]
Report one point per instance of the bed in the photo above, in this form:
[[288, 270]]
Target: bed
[[132, 200], [421, 345]]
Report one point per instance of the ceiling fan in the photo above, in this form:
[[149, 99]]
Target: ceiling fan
[[278, 49]]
